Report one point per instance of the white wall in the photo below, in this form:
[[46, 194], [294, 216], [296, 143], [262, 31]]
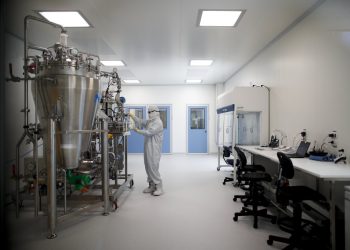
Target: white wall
[[178, 97], [308, 70]]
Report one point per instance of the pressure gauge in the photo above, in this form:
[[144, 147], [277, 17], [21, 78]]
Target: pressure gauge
[[74, 51]]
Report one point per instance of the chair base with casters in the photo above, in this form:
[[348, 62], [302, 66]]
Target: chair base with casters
[[227, 179], [256, 199]]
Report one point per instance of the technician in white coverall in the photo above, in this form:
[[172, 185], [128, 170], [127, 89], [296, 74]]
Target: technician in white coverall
[[153, 133]]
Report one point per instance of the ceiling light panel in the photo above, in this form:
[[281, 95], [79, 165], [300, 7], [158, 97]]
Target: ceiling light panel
[[201, 62], [219, 18], [131, 81], [193, 81], [67, 19], [113, 63]]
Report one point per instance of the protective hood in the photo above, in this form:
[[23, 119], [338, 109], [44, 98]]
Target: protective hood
[[153, 112]]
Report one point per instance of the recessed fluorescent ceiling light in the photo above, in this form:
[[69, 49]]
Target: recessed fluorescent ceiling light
[[131, 81], [193, 81], [226, 18], [201, 62], [113, 63], [65, 18]]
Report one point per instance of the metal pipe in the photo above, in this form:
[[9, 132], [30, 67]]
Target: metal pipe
[[35, 146], [65, 191], [105, 172], [17, 171], [219, 156], [126, 156], [87, 162], [51, 179], [25, 109], [34, 47], [42, 20], [35, 156], [115, 149], [82, 131]]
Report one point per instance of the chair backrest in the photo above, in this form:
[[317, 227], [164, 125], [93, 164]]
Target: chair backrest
[[286, 171], [226, 152], [241, 156], [286, 165]]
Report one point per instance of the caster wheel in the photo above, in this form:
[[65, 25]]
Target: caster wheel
[[224, 183], [235, 218], [218, 168], [234, 199], [273, 221], [131, 184], [269, 242], [255, 226]]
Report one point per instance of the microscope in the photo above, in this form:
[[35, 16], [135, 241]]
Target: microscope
[[341, 157]]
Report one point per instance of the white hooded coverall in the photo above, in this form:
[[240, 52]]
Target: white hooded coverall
[[153, 133]]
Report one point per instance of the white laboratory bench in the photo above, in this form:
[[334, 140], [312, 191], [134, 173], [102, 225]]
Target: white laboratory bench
[[328, 171]]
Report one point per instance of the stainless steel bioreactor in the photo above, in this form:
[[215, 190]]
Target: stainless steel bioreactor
[[83, 130]]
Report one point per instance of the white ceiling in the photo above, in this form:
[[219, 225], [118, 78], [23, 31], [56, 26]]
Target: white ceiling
[[157, 38]]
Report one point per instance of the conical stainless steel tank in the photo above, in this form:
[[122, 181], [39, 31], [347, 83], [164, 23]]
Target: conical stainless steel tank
[[68, 87]]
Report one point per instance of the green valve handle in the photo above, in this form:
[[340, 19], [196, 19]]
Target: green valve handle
[[80, 181]]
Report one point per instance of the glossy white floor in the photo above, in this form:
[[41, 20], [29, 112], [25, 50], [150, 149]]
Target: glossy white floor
[[195, 213]]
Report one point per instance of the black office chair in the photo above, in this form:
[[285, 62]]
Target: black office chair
[[255, 196], [227, 151], [243, 168], [296, 194]]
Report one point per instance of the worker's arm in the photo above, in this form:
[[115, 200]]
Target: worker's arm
[[154, 129]]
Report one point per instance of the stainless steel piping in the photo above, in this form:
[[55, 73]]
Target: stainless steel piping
[[126, 156], [35, 147], [34, 47], [17, 171], [65, 190], [51, 181], [105, 170], [35, 155]]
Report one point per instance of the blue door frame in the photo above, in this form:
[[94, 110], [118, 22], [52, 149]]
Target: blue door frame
[[135, 140], [197, 127], [165, 117]]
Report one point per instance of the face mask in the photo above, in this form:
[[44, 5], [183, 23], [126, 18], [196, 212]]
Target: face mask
[[153, 114]]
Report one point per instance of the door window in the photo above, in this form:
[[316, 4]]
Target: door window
[[197, 118], [163, 117]]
